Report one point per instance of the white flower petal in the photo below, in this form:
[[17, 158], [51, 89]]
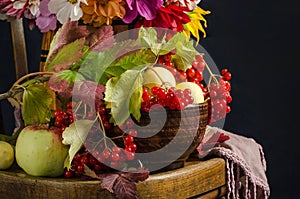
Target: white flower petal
[[76, 14], [64, 14], [84, 1], [18, 5]]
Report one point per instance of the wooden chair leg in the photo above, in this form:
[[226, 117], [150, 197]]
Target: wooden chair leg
[[1, 122], [19, 47]]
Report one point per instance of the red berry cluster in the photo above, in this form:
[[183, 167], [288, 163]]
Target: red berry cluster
[[64, 118], [103, 114], [195, 74], [220, 96], [81, 159], [101, 154], [171, 97], [166, 61]]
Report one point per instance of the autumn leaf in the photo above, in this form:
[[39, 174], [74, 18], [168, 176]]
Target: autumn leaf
[[68, 33], [66, 56], [108, 181], [91, 93], [63, 81], [124, 189], [102, 39]]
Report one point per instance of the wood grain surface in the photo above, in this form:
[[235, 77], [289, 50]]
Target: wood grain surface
[[195, 178]]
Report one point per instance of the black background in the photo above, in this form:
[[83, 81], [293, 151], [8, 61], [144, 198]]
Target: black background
[[258, 41]]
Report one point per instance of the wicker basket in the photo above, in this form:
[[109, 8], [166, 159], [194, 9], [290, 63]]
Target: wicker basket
[[167, 144]]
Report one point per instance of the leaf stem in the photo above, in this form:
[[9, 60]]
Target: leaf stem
[[15, 89]]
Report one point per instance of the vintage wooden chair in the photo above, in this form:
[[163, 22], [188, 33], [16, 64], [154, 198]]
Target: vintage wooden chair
[[198, 179]]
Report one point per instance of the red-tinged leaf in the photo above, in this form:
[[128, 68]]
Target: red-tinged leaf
[[140, 175], [102, 39], [124, 188], [68, 33], [63, 82], [66, 56], [108, 181], [89, 92]]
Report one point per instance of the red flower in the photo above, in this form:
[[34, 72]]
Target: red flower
[[170, 17]]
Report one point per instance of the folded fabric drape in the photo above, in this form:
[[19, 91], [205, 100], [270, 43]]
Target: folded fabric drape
[[245, 164]]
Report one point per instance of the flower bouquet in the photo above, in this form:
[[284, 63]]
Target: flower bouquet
[[105, 103]]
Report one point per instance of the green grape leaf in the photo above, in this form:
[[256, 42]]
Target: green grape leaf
[[123, 92], [36, 102], [75, 135], [114, 71], [66, 56], [185, 51], [135, 103], [109, 89], [136, 59], [96, 66], [147, 38]]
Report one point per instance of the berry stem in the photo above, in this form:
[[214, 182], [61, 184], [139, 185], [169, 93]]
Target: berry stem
[[212, 75]]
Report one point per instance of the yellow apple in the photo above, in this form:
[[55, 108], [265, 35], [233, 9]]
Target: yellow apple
[[196, 91], [158, 76], [6, 155]]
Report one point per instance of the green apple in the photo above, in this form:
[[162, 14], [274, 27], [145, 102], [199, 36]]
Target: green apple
[[40, 152], [196, 91], [6, 155], [158, 76]]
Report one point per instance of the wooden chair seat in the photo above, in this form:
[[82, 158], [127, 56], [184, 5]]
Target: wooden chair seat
[[198, 179]]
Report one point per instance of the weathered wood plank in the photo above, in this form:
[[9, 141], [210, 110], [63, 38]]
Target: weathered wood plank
[[197, 177], [19, 47]]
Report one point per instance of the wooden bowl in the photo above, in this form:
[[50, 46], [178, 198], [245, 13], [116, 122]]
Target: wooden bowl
[[167, 137]]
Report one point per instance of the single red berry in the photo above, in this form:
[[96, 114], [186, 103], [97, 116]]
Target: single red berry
[[228, 98], [161, 93], [228, 109], [68, 173], [154, 90], [105, 154], [227, 76], [114, 156], [80, 168], [70, 105], [190, 72], [129, 155], [225, 70], [57, 113], [128, 139], [132, 132]]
